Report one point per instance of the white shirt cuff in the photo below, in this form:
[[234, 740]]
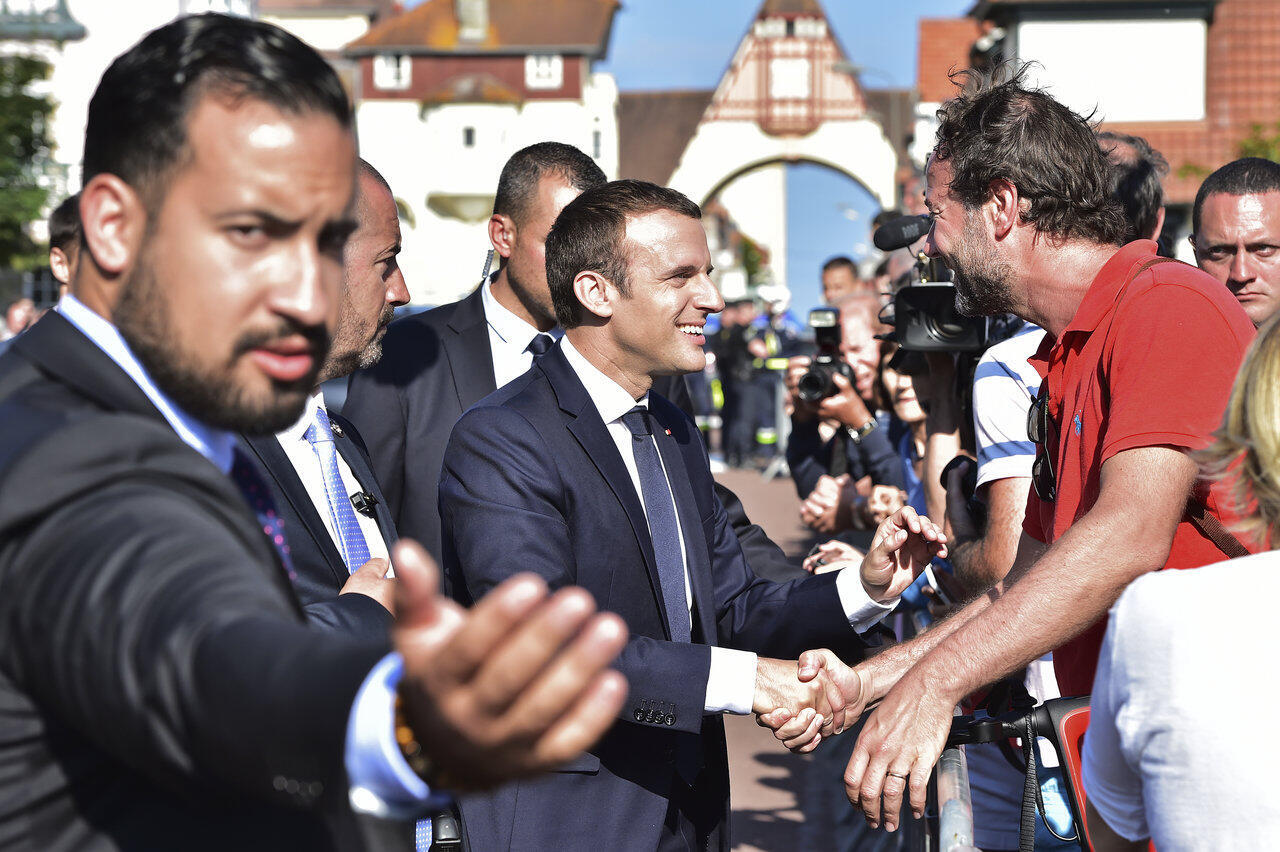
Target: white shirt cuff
[[382, 784], [862, 612], [731, 685]]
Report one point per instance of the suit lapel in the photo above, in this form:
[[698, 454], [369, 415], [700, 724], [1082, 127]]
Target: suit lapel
[[272, 459], [360, 469], [470, 359], [696, 551], [65, 354], [60, 349], [589, 430]]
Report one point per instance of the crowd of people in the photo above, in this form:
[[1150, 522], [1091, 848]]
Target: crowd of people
[[215, 636]]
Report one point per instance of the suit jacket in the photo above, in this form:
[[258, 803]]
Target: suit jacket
[[532, 481], [160, 688], [435, 365], [320, 568]]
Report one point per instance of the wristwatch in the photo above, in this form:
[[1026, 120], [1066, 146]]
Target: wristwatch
[[862, 431]]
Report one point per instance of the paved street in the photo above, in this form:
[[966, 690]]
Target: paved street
[[783, 801]]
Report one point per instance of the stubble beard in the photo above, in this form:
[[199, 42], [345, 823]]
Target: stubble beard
[[210, 395], [983, 284]]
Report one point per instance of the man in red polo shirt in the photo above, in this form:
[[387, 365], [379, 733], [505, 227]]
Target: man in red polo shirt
[[1138, 362]]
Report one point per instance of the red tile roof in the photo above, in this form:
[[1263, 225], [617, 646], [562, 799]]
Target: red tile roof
[[515, 26], [654, 128]]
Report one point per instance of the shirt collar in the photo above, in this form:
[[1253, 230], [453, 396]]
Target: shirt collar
[[610, 398], [214, 444], [298, 431], [1101, 296], [513, 330]]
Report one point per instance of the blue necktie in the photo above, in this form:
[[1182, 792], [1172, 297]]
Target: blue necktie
[[663, 528], [540, 344], [355, 550]]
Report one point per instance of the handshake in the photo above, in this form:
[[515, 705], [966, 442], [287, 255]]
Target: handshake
[[818, 696]]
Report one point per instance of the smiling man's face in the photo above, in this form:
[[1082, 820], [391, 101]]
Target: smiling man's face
[[658, 329]]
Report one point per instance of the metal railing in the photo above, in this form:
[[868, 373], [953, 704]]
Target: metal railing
[[955, 807]]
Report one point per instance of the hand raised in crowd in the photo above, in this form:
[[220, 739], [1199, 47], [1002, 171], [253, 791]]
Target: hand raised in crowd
[[883, 502], [832, 556], [903, 545], [845, 405], [829, 507], [371, 580], [516, 685]]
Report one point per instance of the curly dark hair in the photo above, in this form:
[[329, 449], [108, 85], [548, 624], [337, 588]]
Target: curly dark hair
[[999, 128]]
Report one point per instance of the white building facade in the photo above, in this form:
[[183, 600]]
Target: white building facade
[[449, 90]]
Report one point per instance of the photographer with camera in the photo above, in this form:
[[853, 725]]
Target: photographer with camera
[[835, 472]]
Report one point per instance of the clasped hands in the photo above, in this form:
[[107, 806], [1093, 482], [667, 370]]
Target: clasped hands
[[818, 696]]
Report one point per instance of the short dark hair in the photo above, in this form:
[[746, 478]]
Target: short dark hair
[[841, 262], [518, 183], [137, 127], [1136, 179], [590, 234], [64, 224], [1246, 176], [368, 168], [997, 128]]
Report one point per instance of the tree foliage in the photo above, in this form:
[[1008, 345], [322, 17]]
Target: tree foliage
[[25, 151], [1261, 143]]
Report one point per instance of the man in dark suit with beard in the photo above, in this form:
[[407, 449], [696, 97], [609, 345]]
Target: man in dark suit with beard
[[161, 687], [340, 529]]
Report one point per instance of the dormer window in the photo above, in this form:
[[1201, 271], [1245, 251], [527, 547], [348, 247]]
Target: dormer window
[[544, 71], [392, 72]]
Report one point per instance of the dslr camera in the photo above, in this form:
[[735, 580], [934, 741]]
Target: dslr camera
[[818, 383]]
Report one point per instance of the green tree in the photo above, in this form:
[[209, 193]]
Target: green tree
[[25, 151], [1259, 144]]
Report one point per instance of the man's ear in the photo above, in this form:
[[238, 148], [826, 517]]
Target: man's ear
[[595, 293], [1003, 207], [114, 220], [59, 265], [502, 234]]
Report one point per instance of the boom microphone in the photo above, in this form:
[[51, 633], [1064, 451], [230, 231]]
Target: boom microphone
[[901, 232]]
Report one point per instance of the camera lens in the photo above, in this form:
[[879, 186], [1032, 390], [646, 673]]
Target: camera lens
[[813, 386]]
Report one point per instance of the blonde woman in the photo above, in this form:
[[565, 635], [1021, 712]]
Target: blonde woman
[[1180, 748]]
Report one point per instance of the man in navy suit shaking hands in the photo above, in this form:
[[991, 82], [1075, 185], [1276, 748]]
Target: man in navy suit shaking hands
[[575, 471]]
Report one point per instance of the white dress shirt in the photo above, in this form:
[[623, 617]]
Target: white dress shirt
[[509, 338], [381, 781], [307, 465], [731, 683]]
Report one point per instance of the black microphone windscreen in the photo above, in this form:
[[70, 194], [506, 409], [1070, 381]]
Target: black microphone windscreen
[[901, 232]]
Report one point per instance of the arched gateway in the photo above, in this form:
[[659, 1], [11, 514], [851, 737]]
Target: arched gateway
[[789, 95]]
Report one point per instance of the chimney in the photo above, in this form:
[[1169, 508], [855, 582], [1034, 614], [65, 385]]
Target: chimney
[[473, 19]]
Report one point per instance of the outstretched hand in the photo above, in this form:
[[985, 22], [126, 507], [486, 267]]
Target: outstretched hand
[[517, 685], [903, 546]]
